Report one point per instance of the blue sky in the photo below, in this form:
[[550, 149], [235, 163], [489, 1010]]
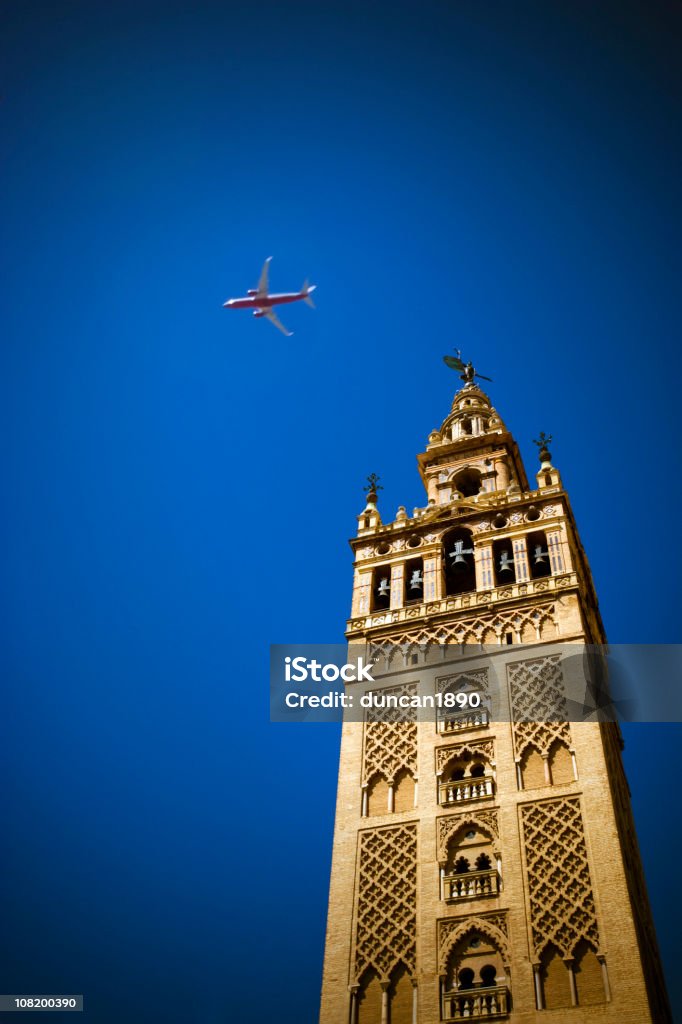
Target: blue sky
[[180, 481]]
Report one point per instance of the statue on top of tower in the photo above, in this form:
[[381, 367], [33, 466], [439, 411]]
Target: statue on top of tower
[[467, 371]]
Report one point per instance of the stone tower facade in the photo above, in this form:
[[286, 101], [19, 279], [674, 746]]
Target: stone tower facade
[[485, 865]]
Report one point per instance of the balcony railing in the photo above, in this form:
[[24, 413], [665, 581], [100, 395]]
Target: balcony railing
[[466, 720], [461, 790], [470, 885], [476, 1004]]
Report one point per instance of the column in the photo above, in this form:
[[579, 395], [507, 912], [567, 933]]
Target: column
[[605, 976], [521, 559], [416, 792], [397, 585], [384, 1002], [430, 572], [554, 545], [548, 772], [391, 797], [353, 1015], [571, 980], [538, 986], [365, 800], [483, 560], [361, 593], [415, 1002], [575, 766]]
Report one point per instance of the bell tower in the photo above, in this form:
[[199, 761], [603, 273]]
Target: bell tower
[[485, 864]]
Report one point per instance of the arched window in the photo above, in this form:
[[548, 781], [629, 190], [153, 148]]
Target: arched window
[[381, 588], [560, 764], [414, 580], [458, 561], [399, 997], [369, 999], [377, 796], [488, 975], [556, 985], [468, 482], [589, 979], [503, 562], [538, 555], [532, 769], [469, 872], [475, 981]]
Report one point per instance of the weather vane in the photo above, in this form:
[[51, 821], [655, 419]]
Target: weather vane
[[374, 485], [543, 441], [466, 370]]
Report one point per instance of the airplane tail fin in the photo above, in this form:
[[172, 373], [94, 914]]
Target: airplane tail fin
[[308, 288]]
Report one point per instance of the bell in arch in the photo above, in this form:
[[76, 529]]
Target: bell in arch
[[506, 562], [416, 582], [539, 556], [383, 588], [457, 554]]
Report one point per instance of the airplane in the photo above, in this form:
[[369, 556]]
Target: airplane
[[262, 302]]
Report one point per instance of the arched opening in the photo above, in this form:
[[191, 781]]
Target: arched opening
[[377, 796], [556, 986], [400, 997], [403, 792], [381, 588], [532, 769], [538, 555], [488, 975], [466, 777], [468, 482], [560, 764], [475, 980], [458, 561], [503, 562], [414, 580], [589, 980], [369, 999], [469, 871]]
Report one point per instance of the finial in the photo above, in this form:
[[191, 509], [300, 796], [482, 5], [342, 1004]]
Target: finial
[[466, 371], [543, 441], [374, 486]]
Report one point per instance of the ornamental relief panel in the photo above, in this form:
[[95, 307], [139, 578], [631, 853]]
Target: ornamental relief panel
[[562, 906], [386, 926]]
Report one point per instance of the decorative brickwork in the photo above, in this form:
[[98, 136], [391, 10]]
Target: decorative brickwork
[[486, 821], [538, 704], [386, 929], [390, 738], [562, 908], [450, 931]]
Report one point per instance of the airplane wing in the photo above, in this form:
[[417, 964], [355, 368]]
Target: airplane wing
[[274, 319], [263, 282]]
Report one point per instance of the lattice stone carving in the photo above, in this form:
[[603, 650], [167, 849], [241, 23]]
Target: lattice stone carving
[[475, 679], [486, 821], [387, 901], [562, 908], [390, 738], [466, 630], [538, 704], [445, 754], [450, 931]]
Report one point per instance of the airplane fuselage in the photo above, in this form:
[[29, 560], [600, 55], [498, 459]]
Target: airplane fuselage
[[263, 301]]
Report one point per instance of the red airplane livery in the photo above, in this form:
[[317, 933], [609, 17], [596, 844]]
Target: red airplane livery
[[261, 302]]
